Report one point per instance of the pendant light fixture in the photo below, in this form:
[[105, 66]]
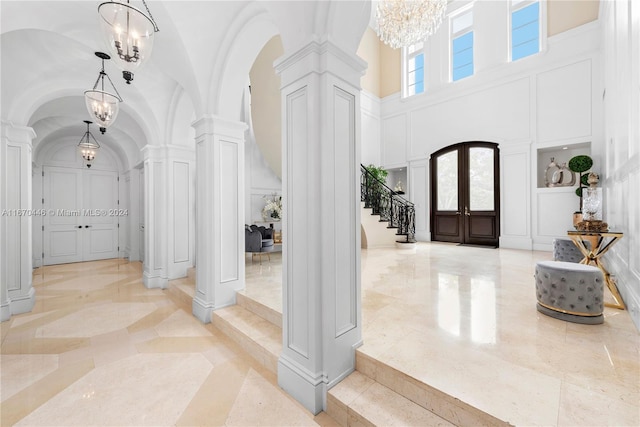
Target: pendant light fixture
[[88, 146], [103, 106], [129, 33]]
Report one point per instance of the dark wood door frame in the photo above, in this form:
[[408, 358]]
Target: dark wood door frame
[[464, 225]]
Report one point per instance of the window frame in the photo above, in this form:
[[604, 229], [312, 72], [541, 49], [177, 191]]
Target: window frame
[[454, 35], [406, 57], [542, 26]]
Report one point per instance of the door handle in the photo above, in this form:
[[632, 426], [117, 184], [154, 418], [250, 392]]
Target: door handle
[[458, 213], [466, 211], [79, 226], [87, 226]]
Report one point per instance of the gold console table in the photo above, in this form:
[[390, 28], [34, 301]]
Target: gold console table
[[603, 240]]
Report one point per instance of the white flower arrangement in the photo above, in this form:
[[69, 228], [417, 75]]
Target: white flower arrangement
[[272, 210]]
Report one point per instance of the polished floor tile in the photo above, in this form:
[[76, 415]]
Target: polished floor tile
[[464, 320], [99, 349]]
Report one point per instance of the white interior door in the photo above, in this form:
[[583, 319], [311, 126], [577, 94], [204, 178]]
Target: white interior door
[[62, 190], [100, 233], [82, 215]]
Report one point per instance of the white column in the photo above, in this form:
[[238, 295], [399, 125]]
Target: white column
[[180, 211], [321, 227], [16, 292], [155, 211], [219, 213]]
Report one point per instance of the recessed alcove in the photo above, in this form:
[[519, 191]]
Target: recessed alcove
[[561, 153]]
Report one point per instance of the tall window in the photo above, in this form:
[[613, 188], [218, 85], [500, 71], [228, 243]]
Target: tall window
[[462, 46], [414, 74], [525, 28]]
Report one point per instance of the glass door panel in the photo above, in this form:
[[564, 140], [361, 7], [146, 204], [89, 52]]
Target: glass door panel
[[481, 175], [447, 182]]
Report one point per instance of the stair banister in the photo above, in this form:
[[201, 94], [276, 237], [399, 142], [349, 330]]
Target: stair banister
[[394, 209]]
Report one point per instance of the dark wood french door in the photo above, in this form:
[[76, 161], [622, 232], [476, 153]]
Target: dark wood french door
[[465, 194]]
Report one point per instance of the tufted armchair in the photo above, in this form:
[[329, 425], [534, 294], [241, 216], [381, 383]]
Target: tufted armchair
[[258, 240]]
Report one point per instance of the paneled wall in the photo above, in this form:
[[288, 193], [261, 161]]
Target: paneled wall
[[543, 102], [621, 51]]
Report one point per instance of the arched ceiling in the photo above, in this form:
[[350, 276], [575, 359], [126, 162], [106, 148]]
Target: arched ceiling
[[203, 52]]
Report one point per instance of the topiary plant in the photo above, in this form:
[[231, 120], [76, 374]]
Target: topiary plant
[[581, 164]]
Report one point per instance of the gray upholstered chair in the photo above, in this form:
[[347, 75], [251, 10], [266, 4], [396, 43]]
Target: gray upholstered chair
[[258, 240], [566, 250]]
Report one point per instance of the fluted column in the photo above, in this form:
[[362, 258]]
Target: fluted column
[[219, 213], [16, 292], [321, 227]]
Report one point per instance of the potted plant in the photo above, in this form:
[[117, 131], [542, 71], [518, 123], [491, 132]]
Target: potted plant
[[580, 165], [378, 172]]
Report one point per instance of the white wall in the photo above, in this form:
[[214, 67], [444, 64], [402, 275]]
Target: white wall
[[552, 99], [370, 137], [621, 50], [260, 180]]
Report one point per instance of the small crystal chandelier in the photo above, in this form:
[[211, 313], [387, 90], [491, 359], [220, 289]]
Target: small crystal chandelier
[[402, 23], [88, 146], [129, 33], [103, 106]]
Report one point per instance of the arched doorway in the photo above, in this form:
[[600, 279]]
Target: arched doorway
[[465, 194]]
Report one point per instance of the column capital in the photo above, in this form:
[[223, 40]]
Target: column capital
[[320, 56], [210, 124], [17, 134]]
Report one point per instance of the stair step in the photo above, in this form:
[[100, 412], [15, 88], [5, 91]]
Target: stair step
[[257, 336], [259, 308], [182, 291], [360, 401], [429, 398]]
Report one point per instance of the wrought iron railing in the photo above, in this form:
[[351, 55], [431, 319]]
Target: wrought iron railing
[[394, 209]]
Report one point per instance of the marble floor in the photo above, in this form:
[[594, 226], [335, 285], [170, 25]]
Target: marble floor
[[463, 320], [100, 349]]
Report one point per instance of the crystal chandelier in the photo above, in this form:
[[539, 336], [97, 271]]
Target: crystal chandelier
[[129, 33], [402, 23], [88, 146], [103, 106]]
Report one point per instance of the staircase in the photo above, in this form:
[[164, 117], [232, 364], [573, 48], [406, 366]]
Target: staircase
[[392, 209]]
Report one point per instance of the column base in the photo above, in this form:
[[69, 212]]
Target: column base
[[202, 310], [153, 282], [24, 303], [5, 312], [309, 391]]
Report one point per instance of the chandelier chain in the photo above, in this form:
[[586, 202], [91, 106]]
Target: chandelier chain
[[155, 26]]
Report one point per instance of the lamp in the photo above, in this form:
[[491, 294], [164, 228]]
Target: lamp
[[103, 106], [402, 23], [129, 33], [87, 145]]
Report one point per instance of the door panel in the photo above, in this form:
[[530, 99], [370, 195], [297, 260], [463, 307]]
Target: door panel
[[63, 204], [465, 194], [101, 223], [81, 224]]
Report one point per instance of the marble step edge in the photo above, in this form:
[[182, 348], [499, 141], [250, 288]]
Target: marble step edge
[[179, 295], [258, 337], [448, 407], [360, 401], [259, 309]]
